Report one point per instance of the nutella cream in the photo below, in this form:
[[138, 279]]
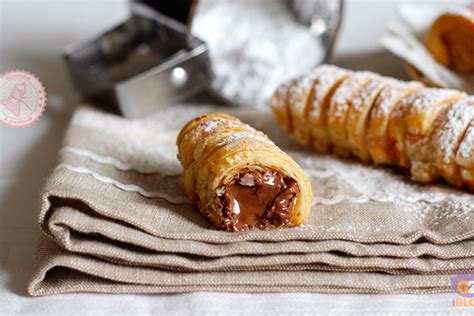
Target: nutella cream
[[257, 198]]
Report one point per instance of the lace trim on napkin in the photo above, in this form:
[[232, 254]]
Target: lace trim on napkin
[[126, 187]]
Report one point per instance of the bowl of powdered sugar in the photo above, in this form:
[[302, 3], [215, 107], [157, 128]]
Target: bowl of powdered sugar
[[255, 45]]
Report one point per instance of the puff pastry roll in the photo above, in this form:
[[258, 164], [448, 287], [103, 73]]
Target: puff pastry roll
[[427, 131], [239, 178], [451, 37]]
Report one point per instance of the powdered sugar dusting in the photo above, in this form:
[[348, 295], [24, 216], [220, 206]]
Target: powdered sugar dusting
[[209, 126], [299, 92], [371, 184], [368, 92], [426, 98], [434, 215], [347, 89], [326, 76], [240, 135], [212, 124], [278, 101], [465, 154], [251, 56], [423, 106], [391, 94], [449, 136]]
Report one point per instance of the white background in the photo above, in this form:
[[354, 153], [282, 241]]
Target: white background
[[32, 34]]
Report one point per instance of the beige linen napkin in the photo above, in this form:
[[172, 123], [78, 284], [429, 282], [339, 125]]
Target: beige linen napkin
[[116, 220]]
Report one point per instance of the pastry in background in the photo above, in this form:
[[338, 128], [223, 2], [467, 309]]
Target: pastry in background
[[239, 178], [427, 131], [451, 39]]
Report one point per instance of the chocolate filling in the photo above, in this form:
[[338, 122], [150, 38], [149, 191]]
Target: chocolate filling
[[257, 198]]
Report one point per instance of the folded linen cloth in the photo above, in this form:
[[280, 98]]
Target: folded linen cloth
[[116, 219]]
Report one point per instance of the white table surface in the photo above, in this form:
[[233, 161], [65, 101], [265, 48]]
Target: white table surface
[[32, 34]]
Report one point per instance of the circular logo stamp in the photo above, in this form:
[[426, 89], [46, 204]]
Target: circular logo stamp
[[22, 98]]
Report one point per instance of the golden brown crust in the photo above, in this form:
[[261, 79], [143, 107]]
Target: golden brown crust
[[298, 96], [377, 132], [448, 134], [357, 118], [279, 104], [410, 128], [392, 122], [327, 79], [339, 107], [214, 148], [195, 130]]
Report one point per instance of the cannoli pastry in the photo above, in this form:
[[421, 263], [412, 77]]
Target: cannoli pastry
[[451, 37], [387, 121], [239, 178]]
